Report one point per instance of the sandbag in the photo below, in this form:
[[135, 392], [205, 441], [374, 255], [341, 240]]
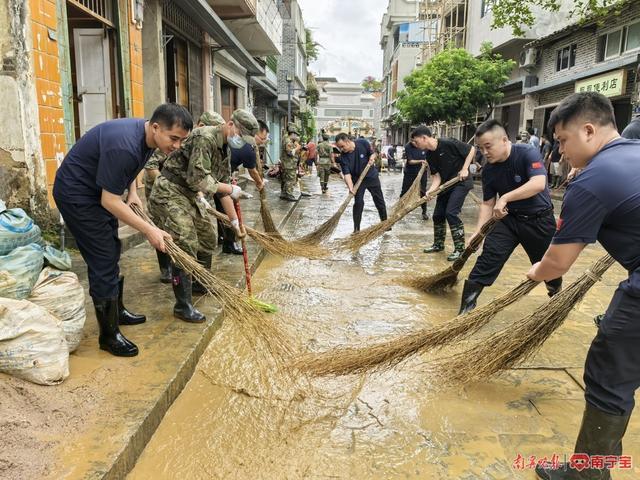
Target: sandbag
[[32, 344], [24, 264], [62, 295], [56, 258], [17, 229]]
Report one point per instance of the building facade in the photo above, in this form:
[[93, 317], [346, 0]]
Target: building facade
[[345, 107]]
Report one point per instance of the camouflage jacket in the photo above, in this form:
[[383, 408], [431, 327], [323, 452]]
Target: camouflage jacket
[[325, 151], [156, 160], [286, 158], [201, 162]]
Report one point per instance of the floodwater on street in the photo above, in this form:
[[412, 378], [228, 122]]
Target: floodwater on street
[[238, 418]]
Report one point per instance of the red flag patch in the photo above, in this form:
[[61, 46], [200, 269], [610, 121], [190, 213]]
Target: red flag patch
[[559, 224], [536, 165]]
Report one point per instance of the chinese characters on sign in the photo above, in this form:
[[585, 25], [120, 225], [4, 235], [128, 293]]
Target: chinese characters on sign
[[610, 84], [577, 461]]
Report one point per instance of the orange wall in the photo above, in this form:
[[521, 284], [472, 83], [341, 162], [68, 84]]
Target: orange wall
[[135, 54], [47, 77]]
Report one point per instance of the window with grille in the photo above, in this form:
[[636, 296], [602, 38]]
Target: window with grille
[[103, 9], [566, 57]]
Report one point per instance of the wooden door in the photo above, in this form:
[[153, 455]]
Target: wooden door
[[93, 77], [182, 74]]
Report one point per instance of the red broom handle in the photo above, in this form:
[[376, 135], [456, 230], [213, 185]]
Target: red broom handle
[[245, 255]]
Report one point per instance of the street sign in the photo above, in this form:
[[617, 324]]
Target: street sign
[[611, 84]]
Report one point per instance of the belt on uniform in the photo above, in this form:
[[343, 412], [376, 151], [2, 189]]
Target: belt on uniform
[[532, 216], [173, 178]]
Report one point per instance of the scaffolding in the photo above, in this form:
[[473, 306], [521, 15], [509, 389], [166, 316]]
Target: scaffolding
[[445, 24]]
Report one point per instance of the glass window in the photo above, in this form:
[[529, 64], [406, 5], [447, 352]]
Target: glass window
[[633, 36], [613, 44], [485, 7], [566, 57]]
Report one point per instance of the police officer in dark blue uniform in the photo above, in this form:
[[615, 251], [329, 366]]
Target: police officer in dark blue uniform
[[414, 159], [601, 204], [355, 154], [514, 189], [88, 191]]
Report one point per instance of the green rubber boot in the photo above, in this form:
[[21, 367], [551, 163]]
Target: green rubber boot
[[457, 233], [439, 235]]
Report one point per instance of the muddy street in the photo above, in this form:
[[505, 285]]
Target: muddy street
[[238, 418]]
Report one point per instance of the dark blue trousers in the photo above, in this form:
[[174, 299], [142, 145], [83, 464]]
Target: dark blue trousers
[[449, 204], [95, 231]]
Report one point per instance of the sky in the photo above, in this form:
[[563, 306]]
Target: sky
[[349, 32]]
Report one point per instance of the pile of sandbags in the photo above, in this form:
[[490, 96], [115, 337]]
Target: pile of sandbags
[[32, 343], [42, 312]]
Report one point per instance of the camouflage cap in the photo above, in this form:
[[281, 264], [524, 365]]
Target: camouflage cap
[[247, 124], [211, 119], [293, 128]]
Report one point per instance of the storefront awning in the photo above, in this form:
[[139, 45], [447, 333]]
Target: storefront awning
[[206, 18]]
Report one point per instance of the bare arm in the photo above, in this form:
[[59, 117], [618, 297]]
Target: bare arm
[[556, 261], [464, 173], [253, 173], [114, 205], [436, 180], [349, 182], [534, 186]]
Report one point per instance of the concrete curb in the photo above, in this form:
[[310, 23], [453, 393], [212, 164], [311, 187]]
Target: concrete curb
[[128, 457]]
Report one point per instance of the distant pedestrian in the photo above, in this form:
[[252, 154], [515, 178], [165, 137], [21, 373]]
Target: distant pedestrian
[[534, 140]]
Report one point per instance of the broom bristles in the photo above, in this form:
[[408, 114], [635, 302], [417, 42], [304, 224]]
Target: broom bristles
[[411, 195], [518, 342], [387, 354], [253, 323], [267, 220], [448, 277]]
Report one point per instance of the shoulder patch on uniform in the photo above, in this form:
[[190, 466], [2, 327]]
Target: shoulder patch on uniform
[[536, 165], [559, 224]]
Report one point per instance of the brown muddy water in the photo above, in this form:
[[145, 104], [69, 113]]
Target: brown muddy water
[[240, 418]]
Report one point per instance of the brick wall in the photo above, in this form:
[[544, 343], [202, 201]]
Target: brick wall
[[135, 57], [44, 26]]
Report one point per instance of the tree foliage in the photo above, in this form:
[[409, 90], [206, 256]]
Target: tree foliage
[[521, 13], [312, 48], [454, 86], [312, 93], [370, 84]]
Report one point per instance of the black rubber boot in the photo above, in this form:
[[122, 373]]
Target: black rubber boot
[[232, 247], [110, 338], [554, 287], [126, 317], [164, 262], [600, 434], [470, 294], [457, 233], [204, 259], [184, 309], [439, 235], [597, 319]]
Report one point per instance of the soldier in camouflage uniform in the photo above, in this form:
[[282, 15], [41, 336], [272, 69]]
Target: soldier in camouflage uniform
[[152, 170], [325, 160], [289, 163], [178, 197]]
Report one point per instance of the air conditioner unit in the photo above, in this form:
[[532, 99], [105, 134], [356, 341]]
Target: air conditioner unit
[[528, 57]]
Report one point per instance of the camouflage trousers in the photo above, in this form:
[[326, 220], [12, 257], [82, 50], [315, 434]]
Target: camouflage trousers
[[324, 170], [175, 211], [289, 179]]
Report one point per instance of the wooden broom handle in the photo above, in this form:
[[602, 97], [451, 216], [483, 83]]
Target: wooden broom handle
[[360, 179]]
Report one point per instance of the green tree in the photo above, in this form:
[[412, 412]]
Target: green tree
[[312, 93], [520, 13], [370, 84], [454, 86], [312, 48]]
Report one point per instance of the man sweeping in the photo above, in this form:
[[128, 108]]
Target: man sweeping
[[289, 162], [601, 204], [325, 160], [88, 191], [514, 189], [178, 198], [414, 159], [152, 171], [247, 157], [448, 158], [355, 155]]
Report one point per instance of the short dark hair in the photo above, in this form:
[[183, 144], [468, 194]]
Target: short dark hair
[[262, 127], [488, 126], [531, 131], [592, 106], [170, 115], [421, 131], [342, 137]]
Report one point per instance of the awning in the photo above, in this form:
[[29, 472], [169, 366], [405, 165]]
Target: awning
[[206, 18], [265, 87]]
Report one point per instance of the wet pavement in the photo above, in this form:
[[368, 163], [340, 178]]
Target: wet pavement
[[233, 421]]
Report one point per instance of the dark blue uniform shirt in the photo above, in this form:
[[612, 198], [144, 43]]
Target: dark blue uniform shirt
[[353, 163], [413, 153], [245, 156], [523, 163], [109, 157], [603, 203], [448, 158]]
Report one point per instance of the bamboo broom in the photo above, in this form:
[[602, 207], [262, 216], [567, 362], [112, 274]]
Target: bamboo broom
[[518, 342], [265, 213], [253, 323], [358, 239], [325, 230], [275, 244], [412, 194], [388, 353], [448, 277]]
